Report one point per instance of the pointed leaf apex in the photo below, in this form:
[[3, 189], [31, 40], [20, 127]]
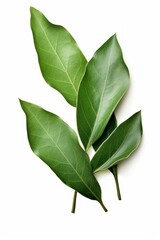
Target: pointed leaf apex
[[34, 11], [22, 103], [138, 113], [20, 100], [25, 105], [114, 36]]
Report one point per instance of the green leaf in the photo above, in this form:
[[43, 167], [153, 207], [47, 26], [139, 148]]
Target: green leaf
[[109, 128], [104, 84], [120, 145], [61, 61], [112, 124], [52, 140]]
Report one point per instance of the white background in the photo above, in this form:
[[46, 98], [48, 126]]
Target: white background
[[34, 204]]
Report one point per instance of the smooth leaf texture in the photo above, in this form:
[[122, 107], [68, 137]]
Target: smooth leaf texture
[[61, 61], [120, 145], [52, 140], [112, 124], [104, 84]]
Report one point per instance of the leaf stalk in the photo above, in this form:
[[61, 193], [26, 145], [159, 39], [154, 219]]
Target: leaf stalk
[[74, 202]]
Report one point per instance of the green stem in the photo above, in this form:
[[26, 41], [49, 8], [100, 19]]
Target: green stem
[[74, 202], [104, 208], [115, 174], [117, 187]]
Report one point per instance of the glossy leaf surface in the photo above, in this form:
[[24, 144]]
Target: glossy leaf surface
[[61, 61], [112, 124], [52, 140], [120, 145], [104, 84]]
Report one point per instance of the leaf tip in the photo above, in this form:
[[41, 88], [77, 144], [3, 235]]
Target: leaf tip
[[114, 36], [20, 100], [139, 113], [138, 116], [24, 104], [21, 103], [34, 11]]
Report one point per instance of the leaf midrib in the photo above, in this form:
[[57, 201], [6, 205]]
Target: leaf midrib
[[55, 52], [88, 145], [115, 151], [63, 154], [122, 158]]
